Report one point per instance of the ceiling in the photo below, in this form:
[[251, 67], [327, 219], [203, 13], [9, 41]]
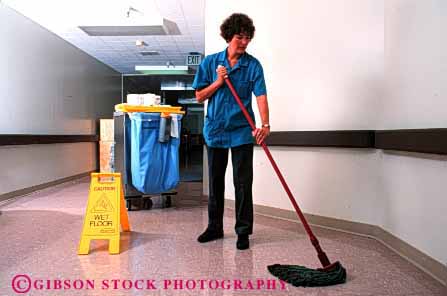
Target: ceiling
[[121, 52]]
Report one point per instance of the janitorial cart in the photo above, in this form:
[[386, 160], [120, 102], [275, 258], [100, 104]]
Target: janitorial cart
[[146, 152]]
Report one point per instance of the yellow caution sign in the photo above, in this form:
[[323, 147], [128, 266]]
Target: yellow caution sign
[[105, 212]]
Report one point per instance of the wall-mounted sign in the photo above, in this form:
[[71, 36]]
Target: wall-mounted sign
[[193, 59]]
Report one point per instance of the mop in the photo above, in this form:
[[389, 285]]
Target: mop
[[331, 273]]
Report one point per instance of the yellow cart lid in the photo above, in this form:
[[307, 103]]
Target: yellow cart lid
[[166, 110]]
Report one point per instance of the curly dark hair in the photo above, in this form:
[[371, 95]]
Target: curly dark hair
[[237, 23]]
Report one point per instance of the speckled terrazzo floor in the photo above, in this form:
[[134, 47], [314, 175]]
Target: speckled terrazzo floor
[[40, 235]]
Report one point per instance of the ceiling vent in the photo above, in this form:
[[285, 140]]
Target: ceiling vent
[[149, 53]]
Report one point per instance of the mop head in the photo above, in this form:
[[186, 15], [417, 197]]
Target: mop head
[[306, 277]]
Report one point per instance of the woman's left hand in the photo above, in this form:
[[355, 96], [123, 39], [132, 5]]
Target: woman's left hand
[[261, 134]]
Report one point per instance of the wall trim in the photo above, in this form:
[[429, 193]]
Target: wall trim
[[336, 138], [413, 140], [432, 141], [28, 190], [421, 260], [12, 139]]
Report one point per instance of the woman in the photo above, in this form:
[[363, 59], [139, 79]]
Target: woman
[[226, 127]]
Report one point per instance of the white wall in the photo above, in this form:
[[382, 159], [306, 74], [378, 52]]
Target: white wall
[[413, 186], [416, 64], [323, 60], [327, 68], [47, 86]]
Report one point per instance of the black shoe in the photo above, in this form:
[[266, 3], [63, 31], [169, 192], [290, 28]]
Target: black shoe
[[242, 242], [210, 235]]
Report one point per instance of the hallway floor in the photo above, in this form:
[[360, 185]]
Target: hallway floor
[[40, 234]]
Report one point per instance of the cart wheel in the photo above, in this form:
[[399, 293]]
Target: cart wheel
[[128, 205], [168, 201], [147, 204]]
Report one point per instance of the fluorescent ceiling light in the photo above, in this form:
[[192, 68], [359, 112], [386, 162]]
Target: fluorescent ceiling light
[[98, 17], [175, 85], [131, 24], [165, 27], [162, 70], [191, 101], [130, 21]]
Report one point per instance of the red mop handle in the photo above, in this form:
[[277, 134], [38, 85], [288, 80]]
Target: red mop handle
[[321, 255]]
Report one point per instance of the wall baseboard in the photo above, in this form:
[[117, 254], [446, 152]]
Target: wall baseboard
[[28, 190], [421, 260]]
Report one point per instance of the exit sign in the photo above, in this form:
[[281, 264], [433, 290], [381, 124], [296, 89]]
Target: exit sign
[[193, 60]]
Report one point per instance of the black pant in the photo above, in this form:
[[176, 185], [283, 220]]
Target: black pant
[[242, 159]]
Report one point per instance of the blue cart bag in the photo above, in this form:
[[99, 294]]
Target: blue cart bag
[[154, 164]]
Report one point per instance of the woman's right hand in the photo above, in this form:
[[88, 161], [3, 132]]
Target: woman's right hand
[[221, 73]]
